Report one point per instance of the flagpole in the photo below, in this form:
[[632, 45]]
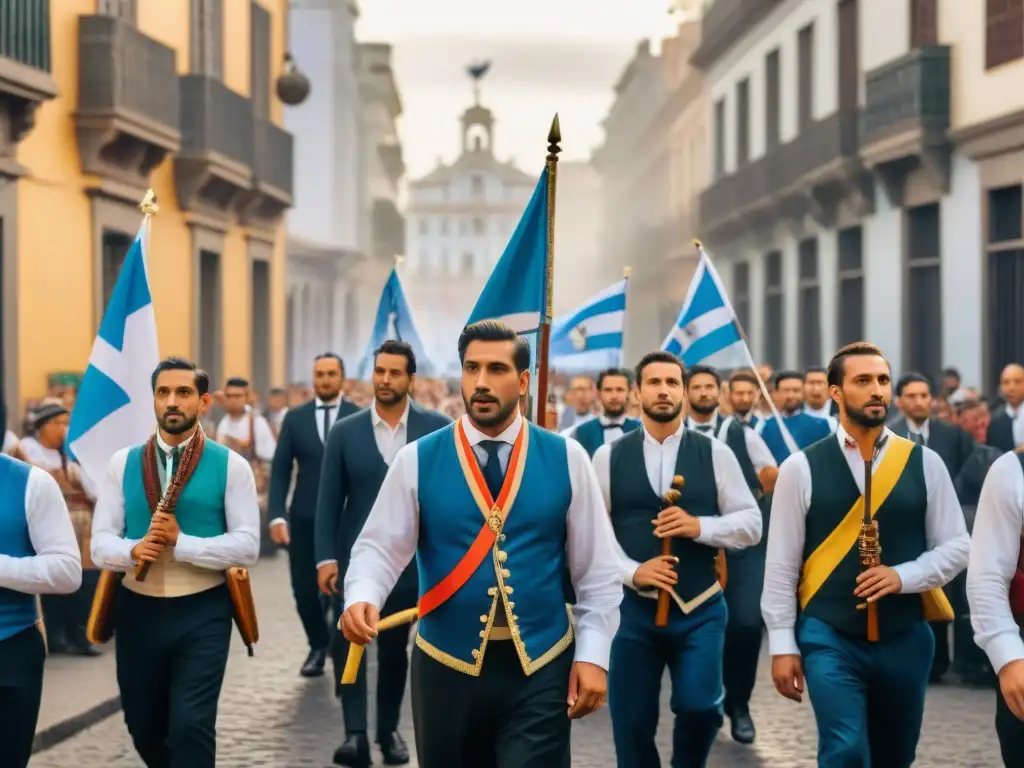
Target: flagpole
[[544, 342], [626, 272]]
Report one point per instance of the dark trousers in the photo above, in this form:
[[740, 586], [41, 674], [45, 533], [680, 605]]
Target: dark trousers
[[691, 646], [1010, 731], [501, 719], [66, 616], [868, 698], [21, 688], [171, 654], [392, 648], [311, 605], [743, 632]]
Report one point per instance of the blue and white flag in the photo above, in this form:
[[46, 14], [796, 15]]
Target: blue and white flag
[[394, 321], [515, 293], [589, 337], [114, 407]]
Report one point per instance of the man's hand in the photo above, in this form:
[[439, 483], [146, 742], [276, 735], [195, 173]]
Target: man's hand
[[327, 578], [657, 572], [675, 522], [588, 689], [1011, 683], [768, 477], [878, 582], [279, 534], [788, 676], [147, 550], [359, 623], [165, 528]]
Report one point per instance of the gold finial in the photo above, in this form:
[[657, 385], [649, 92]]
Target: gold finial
[[148, 204], [398, 260], [698, 244], [626, 272], [554, 139]]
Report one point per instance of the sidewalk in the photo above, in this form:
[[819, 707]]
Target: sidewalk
[[77, 693]]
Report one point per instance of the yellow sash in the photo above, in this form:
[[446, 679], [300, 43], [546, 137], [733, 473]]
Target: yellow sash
[[837, 545]]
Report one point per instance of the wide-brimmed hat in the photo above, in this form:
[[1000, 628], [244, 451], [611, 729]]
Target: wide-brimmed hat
[[46, 413]]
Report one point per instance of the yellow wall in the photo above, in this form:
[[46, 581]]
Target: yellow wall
[[56, 284], [977, 95]]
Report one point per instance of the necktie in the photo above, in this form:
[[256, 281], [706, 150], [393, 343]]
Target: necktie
[[917, 437], [493, 474], [175, 456], [704, 428], [325, 415]]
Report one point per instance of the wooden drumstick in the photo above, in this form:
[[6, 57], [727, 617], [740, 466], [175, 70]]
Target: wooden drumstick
[[669, 499]]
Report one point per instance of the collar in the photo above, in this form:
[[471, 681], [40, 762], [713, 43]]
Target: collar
[[376, 418], [333, 403], [821, 413], [921, 429], [673, 438], [748, 417], [475, 436], [712, 422], [168, 448], [616, 421], [843, 436], [1014, 411]]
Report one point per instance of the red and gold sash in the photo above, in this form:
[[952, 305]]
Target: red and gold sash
[[495, 513]]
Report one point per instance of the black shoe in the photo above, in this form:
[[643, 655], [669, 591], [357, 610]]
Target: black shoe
[[743, 730], [314, 664], [355, 752], [83, 649], [394, 749]]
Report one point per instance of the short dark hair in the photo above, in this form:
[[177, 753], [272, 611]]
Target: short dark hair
[[658, 356], [748, 376], [398, 347], [837, 365], [782, 376], [947, 372], [695, 370], [331, 356], [274, 391], [237, 381], [615, 372], [495, 330], [815, 369], [202, 379], [912, 378]]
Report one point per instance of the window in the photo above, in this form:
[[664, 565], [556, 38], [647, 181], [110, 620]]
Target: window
[[924, 23], [851, 286], [773, 330], [206, 34], [772, 97], [849, 66], [115, 247], [210, 314], [260, 325], [444, 226], [923, 320], [477, 186], [468, 262], [479, 226], [1004, 31], [741, 293], [805, 76], [1005, 329], [119, 9], [720, 138], [259, 62], [742, 123], [809, 306], [424, 227]]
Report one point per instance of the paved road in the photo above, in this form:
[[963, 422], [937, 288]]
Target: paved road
[[269, 716]]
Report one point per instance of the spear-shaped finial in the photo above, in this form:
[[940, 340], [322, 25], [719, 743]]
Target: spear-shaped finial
[[554, 139], [399, 258], [698, 244], [148, 205], [626, 272]]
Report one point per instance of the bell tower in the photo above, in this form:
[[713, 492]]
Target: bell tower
[[478, 120]]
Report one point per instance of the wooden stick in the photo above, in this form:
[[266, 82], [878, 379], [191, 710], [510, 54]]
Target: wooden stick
[[355, 652], [669, 499], [870, 550], [544, 336]]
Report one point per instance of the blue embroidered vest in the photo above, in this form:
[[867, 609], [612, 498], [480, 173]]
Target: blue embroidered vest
[[200, 507], [17, 609], [524, 574], [590, 434]]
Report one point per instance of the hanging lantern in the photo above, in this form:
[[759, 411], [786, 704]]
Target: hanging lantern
[[292, 86]]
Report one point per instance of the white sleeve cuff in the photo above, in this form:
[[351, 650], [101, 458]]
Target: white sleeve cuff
[[322, 563], [275, 521], [911, 575], [593, 648], [124, 553], [782, 642], [363, 593], [629, 568], [187, 548], [1004, 648]]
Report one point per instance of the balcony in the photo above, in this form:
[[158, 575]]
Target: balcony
[[213, 170], [724, 23], [273, 176], [388, 230], [25, 80], [128, 105], [906, 120]]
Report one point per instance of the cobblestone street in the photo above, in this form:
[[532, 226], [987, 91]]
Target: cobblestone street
[[269, 716]]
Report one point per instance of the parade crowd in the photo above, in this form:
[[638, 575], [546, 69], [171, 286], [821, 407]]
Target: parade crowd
[[867, 522]]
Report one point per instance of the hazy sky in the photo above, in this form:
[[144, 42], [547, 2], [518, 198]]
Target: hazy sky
[[548, 56]]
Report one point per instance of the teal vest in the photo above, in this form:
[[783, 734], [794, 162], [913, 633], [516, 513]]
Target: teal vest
[[17, 609], [200, 507], [901, 531]]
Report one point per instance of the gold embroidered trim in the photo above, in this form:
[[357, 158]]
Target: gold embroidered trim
[[517, 477]]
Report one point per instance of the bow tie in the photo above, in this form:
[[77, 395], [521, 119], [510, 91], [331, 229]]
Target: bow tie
[[611, 425]]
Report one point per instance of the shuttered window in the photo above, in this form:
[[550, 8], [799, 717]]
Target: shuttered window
[[1005, 322], [809, 306], [259, 62], [924, 23], [773, 310], [206, 35], [1004, 31], [851, 286], [923, 320]]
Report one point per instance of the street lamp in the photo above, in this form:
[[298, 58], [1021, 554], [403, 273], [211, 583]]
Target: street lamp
[[292, 86]]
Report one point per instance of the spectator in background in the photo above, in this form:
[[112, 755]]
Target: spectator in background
[[1006, 431], [952, 388], [580, 399], [974, 418]]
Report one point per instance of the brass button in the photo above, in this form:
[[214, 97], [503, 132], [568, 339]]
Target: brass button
[[501, 537], [511, 606], [505, 573], [515, 618], [508, 590], [492, 591], [483, 633], [476, 654], [483, 619], [502, 557]]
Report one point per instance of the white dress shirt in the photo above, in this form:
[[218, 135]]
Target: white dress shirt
[[995, 547], [237, 428], [945, 534], [239, 546], [389, 441], [612, 426], [921, 429], [332, 415], [56, 567], [738, 524], [10, 442], [758, 450], [825, 412], [1017, 417], [387, 542]]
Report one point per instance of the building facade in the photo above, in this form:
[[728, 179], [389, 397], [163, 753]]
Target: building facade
[[459, 218], [103, 99], [864, 159], [579, 272]]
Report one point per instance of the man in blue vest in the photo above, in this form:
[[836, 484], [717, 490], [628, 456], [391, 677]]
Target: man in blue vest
[[804, 428], [173, 626], [860, 636], [38, 555], [716, 510], [493, 508], [744, 392], [613, 387]]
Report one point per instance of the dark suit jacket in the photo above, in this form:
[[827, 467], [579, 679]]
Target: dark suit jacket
[[953, 444], [353, 471], [1000, 430], [299, 441]]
